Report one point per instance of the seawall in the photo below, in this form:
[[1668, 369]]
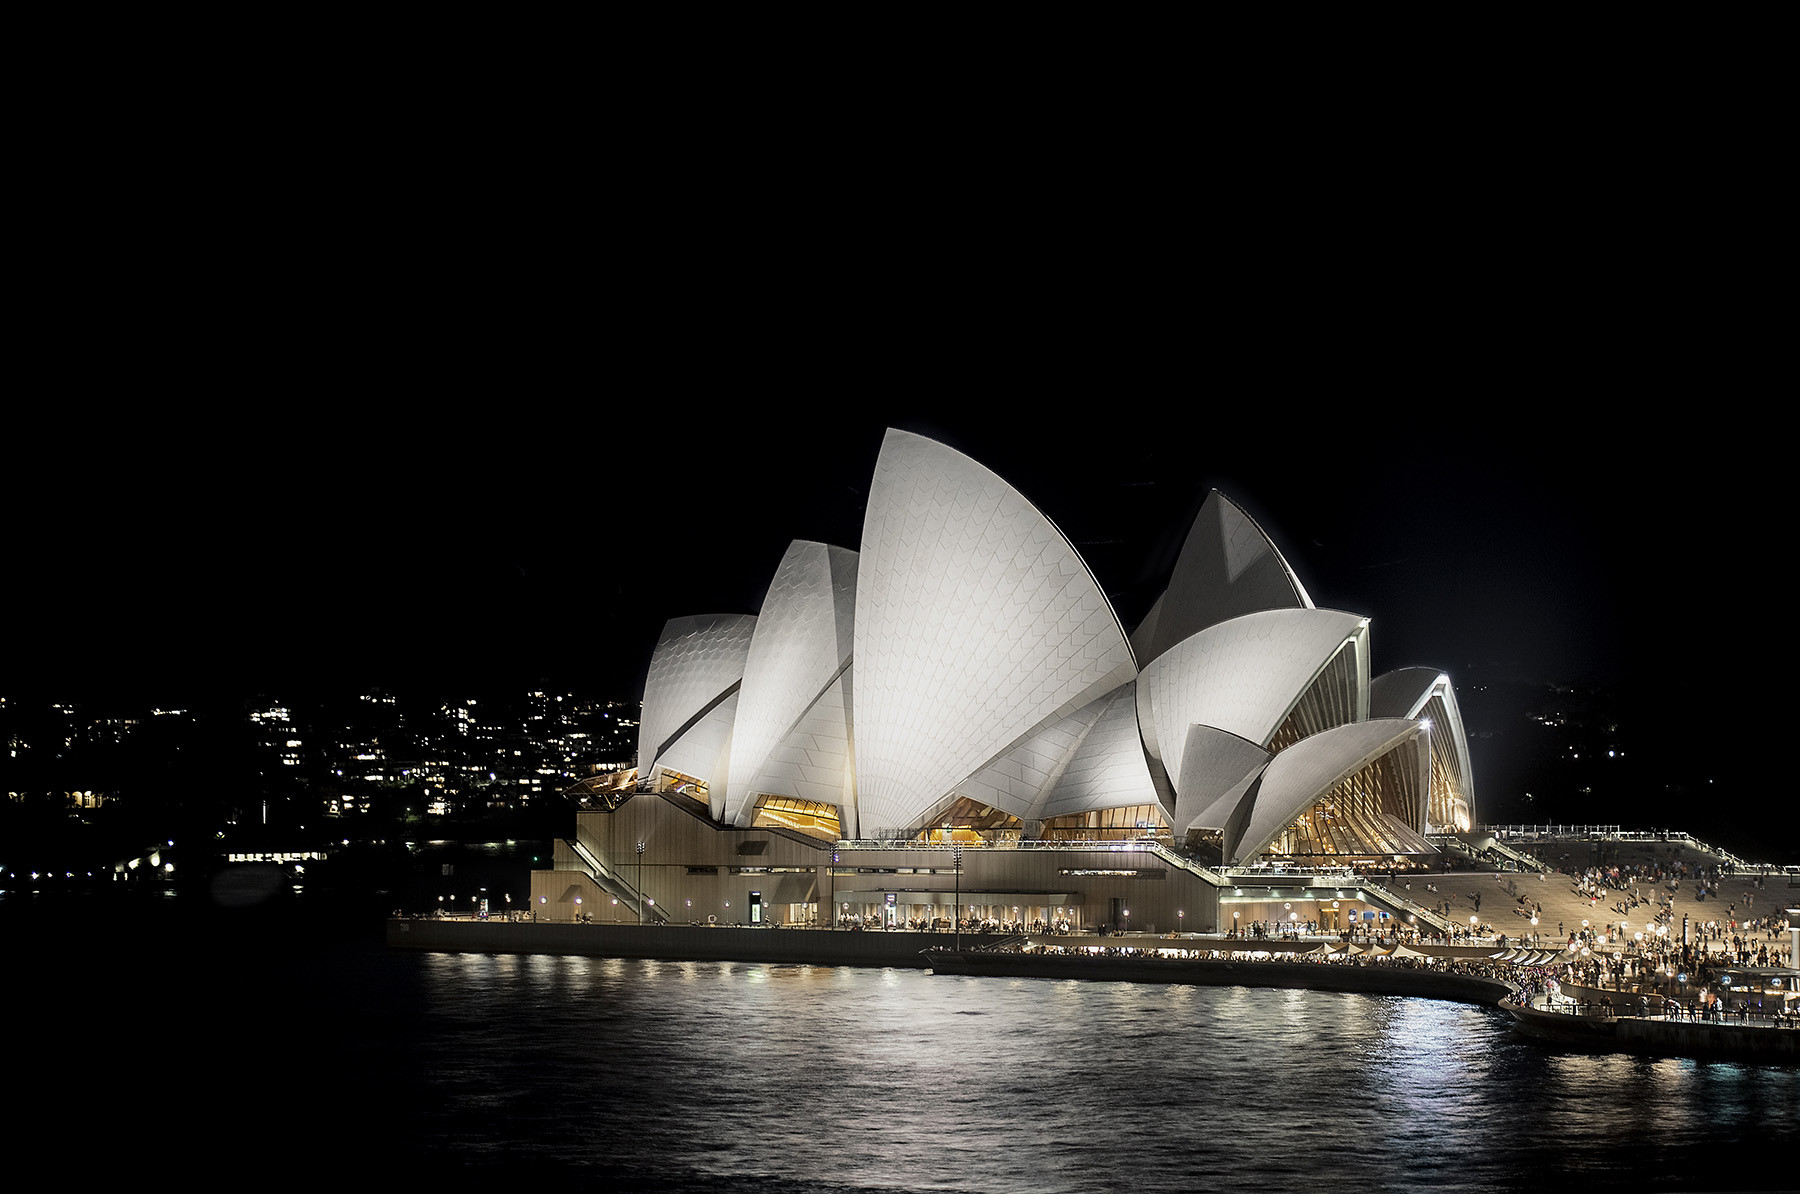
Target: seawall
[[1306, 976], [1678, 1038], [825, 947]]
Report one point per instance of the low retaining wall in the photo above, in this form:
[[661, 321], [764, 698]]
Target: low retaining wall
[[1680, 1038], [1305, 976], [826, 947], [1688, 1039]]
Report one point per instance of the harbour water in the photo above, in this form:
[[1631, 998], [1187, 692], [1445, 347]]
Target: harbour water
[[292, 1064]]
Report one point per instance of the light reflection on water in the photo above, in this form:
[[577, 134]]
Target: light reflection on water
[[672, 1075]]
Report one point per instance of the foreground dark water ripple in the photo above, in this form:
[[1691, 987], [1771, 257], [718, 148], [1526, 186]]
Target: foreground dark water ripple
[[688, 1075], [653, 1076]]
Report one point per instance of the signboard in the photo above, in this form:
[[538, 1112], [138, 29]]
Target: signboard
[[756, 907]]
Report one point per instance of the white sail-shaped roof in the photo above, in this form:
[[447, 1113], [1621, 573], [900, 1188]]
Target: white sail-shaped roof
[[812, 761], [1310, 768], [703, 750], [1214, 764], [1227, 568], [801, 645], [976, 621], [1425, 692], [1244, 676], [1108, 769], [1020, 779], [697, 664], [1087, 760]]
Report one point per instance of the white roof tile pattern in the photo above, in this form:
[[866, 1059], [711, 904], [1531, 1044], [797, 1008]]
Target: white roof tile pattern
[[1308, 769], [1108, 769], [975, 622], [1426, 692], [1214, 763], [1401, 693], [801, 644], [812, 762], [703, 750], [1020, 779], [968, 651], [1227, 568], [1241, 676], [696, 663]]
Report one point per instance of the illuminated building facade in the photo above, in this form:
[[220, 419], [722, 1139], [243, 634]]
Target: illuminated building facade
[[953, 713]]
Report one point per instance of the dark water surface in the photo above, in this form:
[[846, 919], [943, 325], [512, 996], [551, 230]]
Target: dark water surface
[[296, 1068]]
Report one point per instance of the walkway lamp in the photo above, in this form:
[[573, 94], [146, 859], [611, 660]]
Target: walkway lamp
[[956, 912], [640, 882]]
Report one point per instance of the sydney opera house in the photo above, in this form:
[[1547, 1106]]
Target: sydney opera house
[[953, 719]]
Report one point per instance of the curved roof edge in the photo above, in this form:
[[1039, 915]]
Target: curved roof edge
[[1304, 771], [976, 619], [697, 662], [1242, 676], [801, 643], [1410, 692], [1228, 567], [1214, 764]]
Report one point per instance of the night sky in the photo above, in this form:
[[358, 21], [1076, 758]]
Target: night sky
[[431, 514]]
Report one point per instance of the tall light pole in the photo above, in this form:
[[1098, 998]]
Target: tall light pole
[[956, 912], [640, 882]]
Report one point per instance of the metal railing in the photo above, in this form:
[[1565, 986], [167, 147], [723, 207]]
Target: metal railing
[[617, 883], [1404, 903], [1137, 846], [1614, 833], [897, 843], [1284, 871]]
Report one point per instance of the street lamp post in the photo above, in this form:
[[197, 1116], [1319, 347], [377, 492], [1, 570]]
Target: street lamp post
[[956, 912], [640, 882]]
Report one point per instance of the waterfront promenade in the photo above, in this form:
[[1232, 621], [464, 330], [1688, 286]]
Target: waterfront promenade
[[1462, 973]]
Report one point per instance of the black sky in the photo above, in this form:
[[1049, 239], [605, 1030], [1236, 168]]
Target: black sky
[[370, 547], [436, 478]]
